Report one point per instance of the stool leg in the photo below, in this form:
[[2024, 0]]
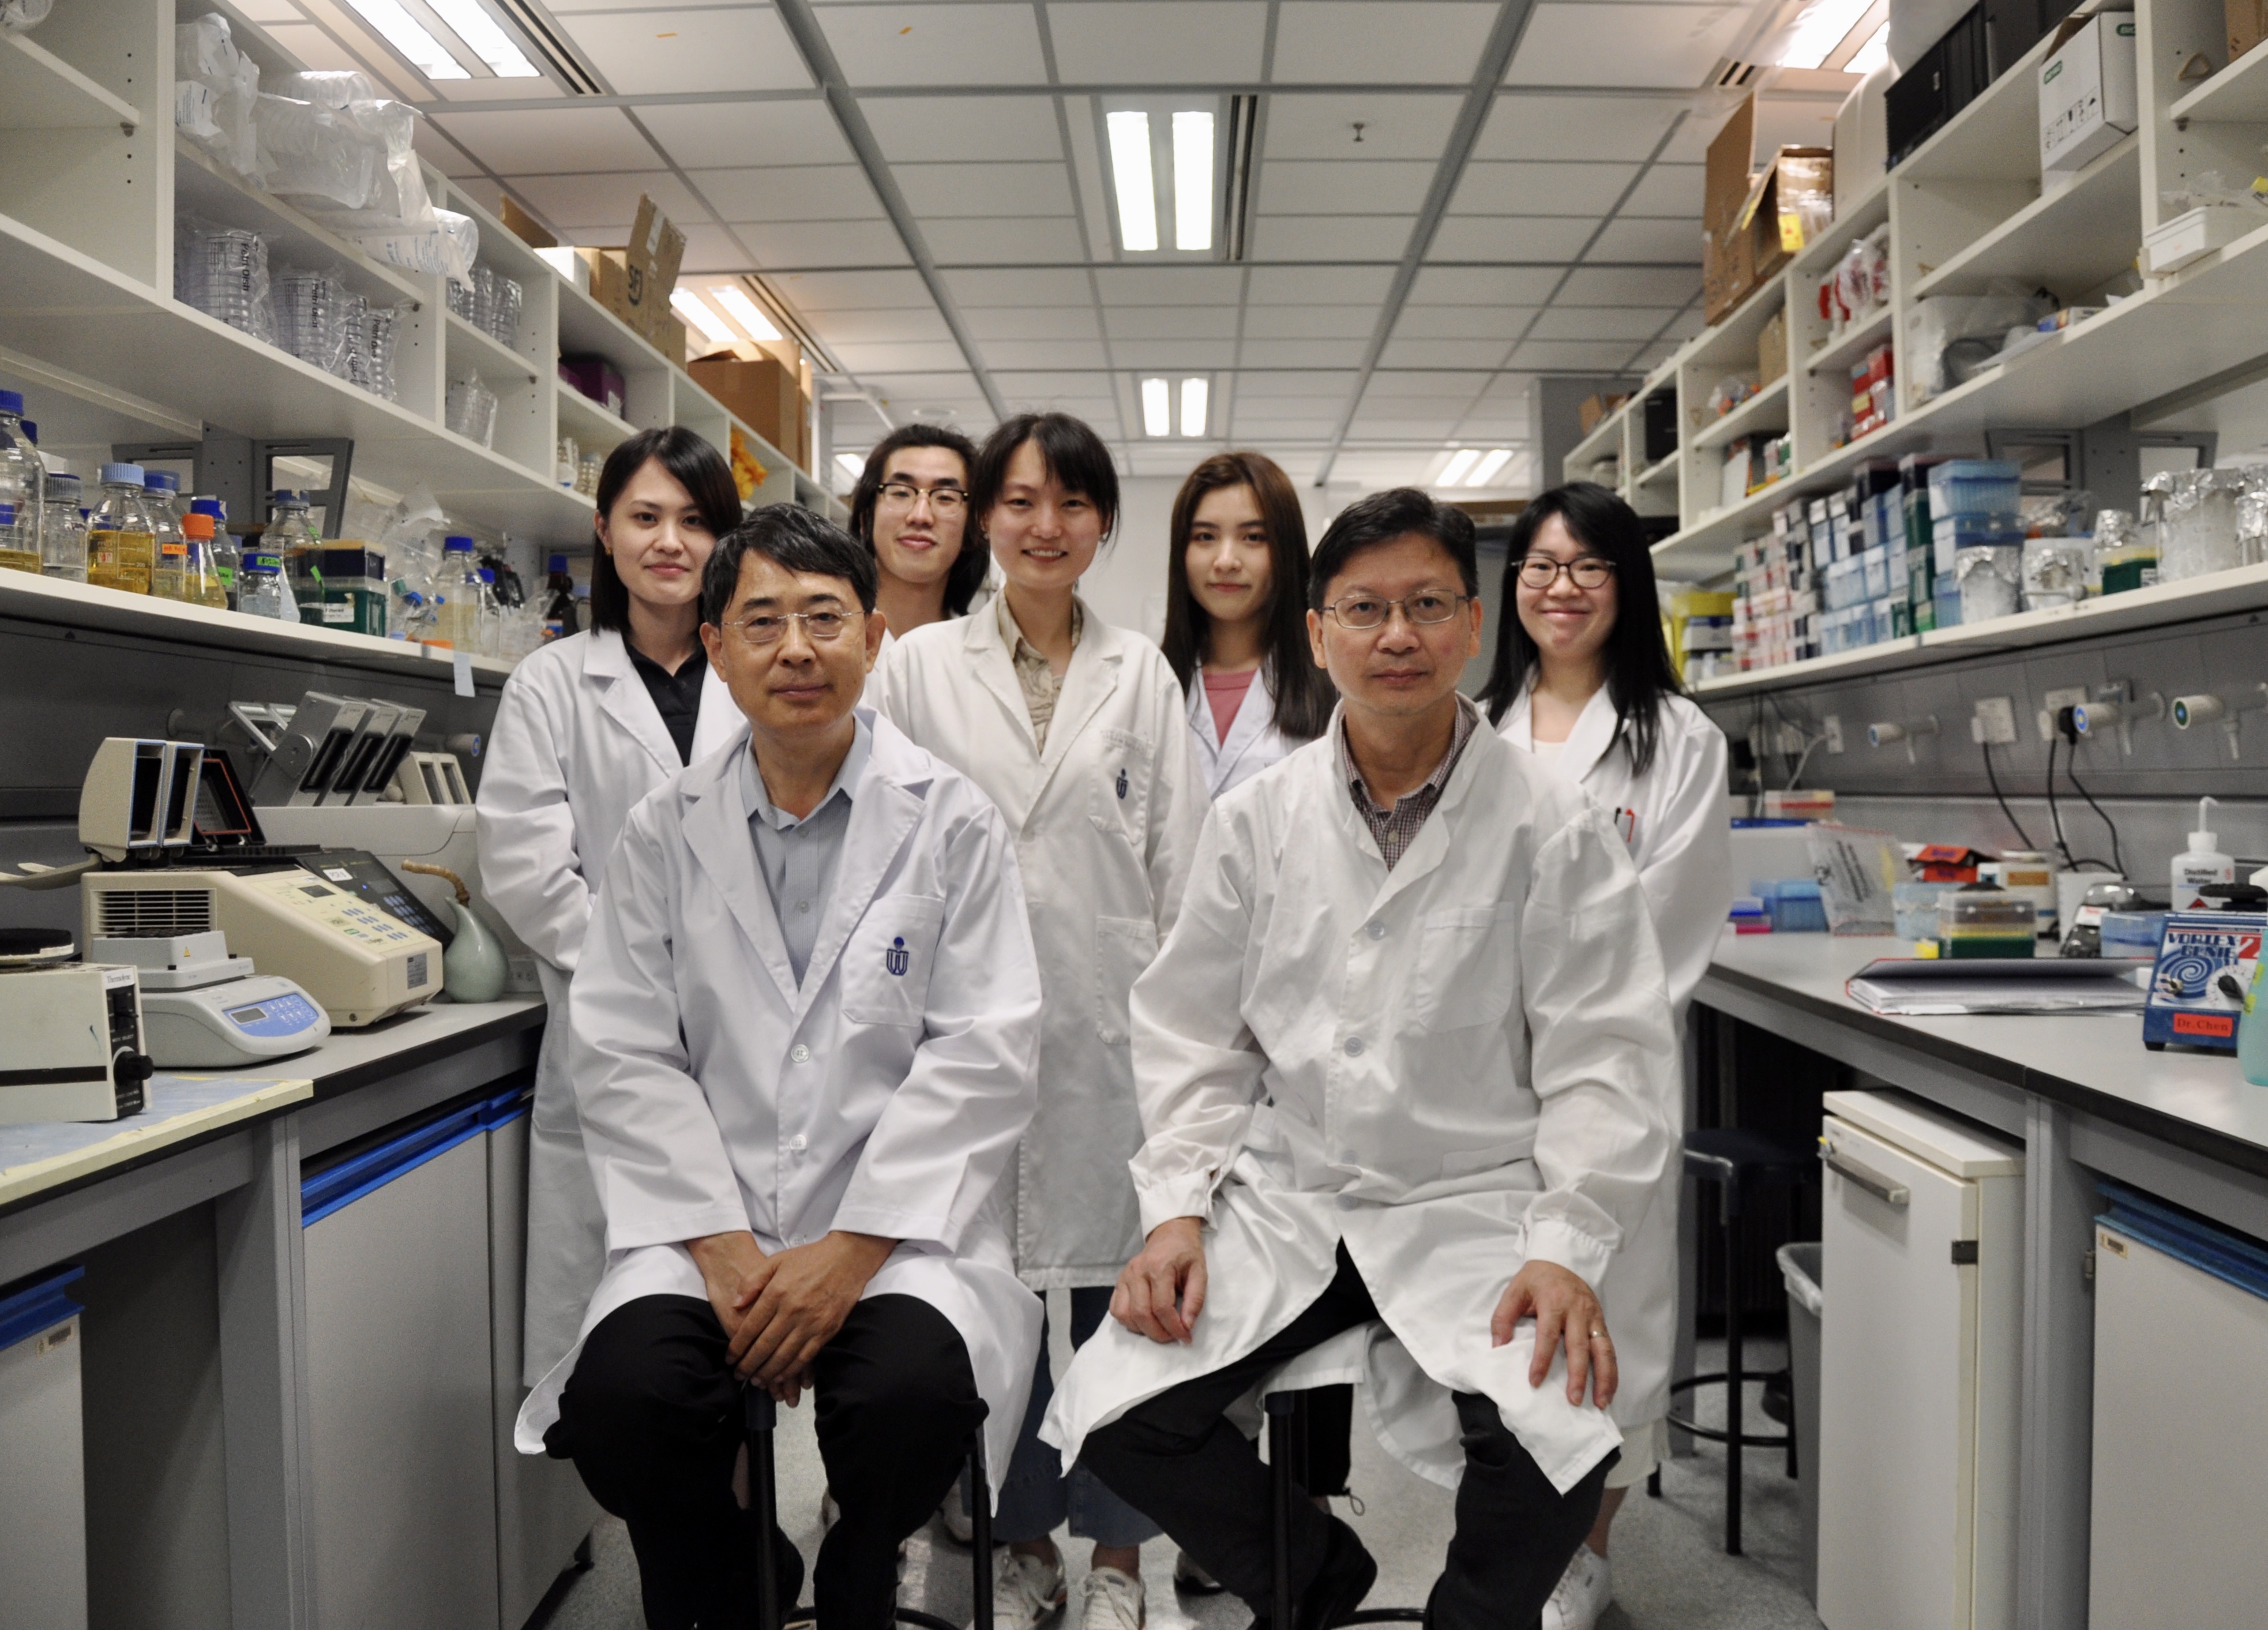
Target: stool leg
[[1280, 1409], [1733, 1380], [980, 1526], [760, 1415], [1653, 1483]]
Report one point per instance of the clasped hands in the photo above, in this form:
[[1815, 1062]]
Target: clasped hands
[[779, 1310], [1162, 1291]]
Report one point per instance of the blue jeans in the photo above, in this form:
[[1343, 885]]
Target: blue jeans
[[1036, 1496]]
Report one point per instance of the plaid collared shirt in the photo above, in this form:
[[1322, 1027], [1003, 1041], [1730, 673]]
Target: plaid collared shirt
[[1397, 829]]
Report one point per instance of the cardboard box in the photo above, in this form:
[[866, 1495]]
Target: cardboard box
[[524, 226], [635, 283], [1596, 407], [1771, 348], [765, 395], [2087, 97], [2247, 25], [1755, 220], [599, 380]]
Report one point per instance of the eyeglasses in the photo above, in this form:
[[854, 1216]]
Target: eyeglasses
[[766, 629], [1424, 609], [1541, 572], [943, 500]]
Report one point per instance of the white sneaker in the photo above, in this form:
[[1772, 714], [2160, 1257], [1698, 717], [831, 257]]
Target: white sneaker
[[955, 1513], [1110, 1600], [1026, 1591], [1582, 1593], [1189, 1575]]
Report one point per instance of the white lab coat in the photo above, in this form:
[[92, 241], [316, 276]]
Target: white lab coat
[[577, 742], [1105, 823], [1455, 1067], [1253, 743], [1673, 819], [717, 1094]]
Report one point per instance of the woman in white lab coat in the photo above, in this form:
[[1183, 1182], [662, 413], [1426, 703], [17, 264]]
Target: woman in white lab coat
[[1583, 682], [587, 726], [910, 508], [1077, 731], [1236, 630]]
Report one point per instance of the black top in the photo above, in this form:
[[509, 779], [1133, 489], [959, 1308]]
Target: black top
[[676, 697]]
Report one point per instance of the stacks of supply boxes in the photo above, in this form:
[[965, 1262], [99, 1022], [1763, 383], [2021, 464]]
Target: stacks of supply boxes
[[1977, 539]]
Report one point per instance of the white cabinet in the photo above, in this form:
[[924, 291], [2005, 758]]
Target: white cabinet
[[1916, 1457], [42, 1462]]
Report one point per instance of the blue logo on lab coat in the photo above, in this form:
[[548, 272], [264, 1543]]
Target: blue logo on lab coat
[[897, 959], [1122, 786]]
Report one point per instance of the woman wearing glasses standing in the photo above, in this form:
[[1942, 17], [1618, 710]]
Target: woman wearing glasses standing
[[1078, 732], [587, 726], [1583, 680], [911, 508], [1236, 620]]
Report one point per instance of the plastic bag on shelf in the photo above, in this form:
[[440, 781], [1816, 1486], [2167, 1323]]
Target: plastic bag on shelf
[[2197, 530], [1951, 338], [16, 15], [472, 410], [310, 152], [216, 91], [312, 313], [445, 248]]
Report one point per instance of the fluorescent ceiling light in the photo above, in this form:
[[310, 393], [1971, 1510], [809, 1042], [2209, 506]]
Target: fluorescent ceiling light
[[1460, 465], [1192, 181], [850, 464], [472, 23], [1873, 54], [711, 325], [1157, 408], [1485, 470], [744, 311], [1195, 393], [1130, 169], [405, 34], [1820, 30]]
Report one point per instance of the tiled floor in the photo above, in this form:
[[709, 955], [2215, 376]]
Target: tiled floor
[[1670, 1570]]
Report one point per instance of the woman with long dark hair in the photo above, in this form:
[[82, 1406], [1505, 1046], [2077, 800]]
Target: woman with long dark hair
[[911, 508], [1236, 617], [588, 726], [1583, 680]]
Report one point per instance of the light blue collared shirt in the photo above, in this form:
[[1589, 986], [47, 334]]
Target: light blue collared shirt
[[798, 859]]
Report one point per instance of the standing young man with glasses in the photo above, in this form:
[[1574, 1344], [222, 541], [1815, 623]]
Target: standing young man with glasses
[[911, 507], [1398, 1062], [805, 1042]]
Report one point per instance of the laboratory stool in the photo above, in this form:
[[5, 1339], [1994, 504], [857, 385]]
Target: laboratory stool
[[761, 1417], [1736, 1159]]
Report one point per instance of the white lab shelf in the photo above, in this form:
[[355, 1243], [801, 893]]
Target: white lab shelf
[[594, 429], [2238, 94], [39, 90], [1839, 353], [201, 188], [2077, 236], [1764, 413]]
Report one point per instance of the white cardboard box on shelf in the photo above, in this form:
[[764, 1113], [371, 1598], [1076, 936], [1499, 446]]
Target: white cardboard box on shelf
[[2193, 236], [2087, 95]]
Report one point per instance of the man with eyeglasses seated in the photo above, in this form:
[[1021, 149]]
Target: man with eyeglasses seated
[[1397, 1062], [805, 1042]]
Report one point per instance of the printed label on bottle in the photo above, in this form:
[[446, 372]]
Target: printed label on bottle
[[334, 612], [181, 549]]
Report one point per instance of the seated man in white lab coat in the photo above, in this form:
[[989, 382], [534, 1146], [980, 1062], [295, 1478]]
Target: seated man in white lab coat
[[1395, 1063], [805, 1044]]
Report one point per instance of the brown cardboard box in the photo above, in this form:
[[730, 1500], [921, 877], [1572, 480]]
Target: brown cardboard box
[[635, 283], [524, 226], [2247, 25], [764, 394], [1593, 409], [1751, 217], [1771, 348]]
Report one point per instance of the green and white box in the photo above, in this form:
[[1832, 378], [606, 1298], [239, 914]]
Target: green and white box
[[2087, 93]]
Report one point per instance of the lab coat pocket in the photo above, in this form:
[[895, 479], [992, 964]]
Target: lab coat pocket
[[887, 961], [1119, 790], [1123, 947], [1467, 965]]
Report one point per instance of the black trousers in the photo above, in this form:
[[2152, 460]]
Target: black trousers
[[653, 1418], [1177, 1459]]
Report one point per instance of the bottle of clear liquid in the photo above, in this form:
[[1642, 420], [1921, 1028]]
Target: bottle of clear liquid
[[169, 577], [559, 612], [23, 484], [491, 639], [62, 529], [122, 539], [227, 553], [457, 615], [291, 538], [200, 584], [261, 591]]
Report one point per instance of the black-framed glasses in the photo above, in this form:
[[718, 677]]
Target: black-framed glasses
[[1424, 609], [769, 628], [1541, 572], [943, 500]]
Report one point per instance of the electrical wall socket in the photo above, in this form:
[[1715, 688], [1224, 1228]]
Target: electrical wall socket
[[1994, 721], [1791, 740], [2053, 703], [1833, 726]]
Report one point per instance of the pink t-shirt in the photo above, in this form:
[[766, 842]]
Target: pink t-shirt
[[1225, 693]]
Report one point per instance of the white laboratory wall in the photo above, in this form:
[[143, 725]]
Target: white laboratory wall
[[1127, 584]]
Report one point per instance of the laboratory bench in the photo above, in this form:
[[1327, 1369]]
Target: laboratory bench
[[2085, 1100], [324, 1254]]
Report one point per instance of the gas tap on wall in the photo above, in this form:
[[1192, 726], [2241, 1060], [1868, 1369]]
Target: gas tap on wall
[[1909, 732], [2090, 717], [2227, 712]]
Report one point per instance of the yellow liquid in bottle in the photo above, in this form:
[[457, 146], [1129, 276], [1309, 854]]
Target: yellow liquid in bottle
[[19, 560], [171, 580], [121, 560]]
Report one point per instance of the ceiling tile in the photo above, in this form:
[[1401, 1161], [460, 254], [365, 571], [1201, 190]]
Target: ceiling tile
[[1510, 238], [1021, 287], [1672, 45], [1036, 322], [1602, 355], [1256, 384], [995, 188], [1441, 383], [1483, 286], [641, 52], [1498, 188], [1325, 285], [890, 327], [1158, 42], [1629, 323], [598, 209], [1330, 236], [712, 249], [1170, 323], [1310, 322], [1609, 286], [1009, 241], [1674, 241], [1192, 355], [1666, 189], [1169, 285], [943, 129], [823, 243], [1045, 354], [912, 354], [1401, 353], [1080, 383], [1393, 127], [1575, 127], [829, 192], [1302, 353], [718, 135], [1463, 322], [1327, 186], [1359, 41], [935, 44], [850, 291], [425, 137], [1267, 428], [545, 141]]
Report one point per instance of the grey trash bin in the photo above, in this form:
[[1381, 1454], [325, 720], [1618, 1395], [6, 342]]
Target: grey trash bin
[[1804, 1273]]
